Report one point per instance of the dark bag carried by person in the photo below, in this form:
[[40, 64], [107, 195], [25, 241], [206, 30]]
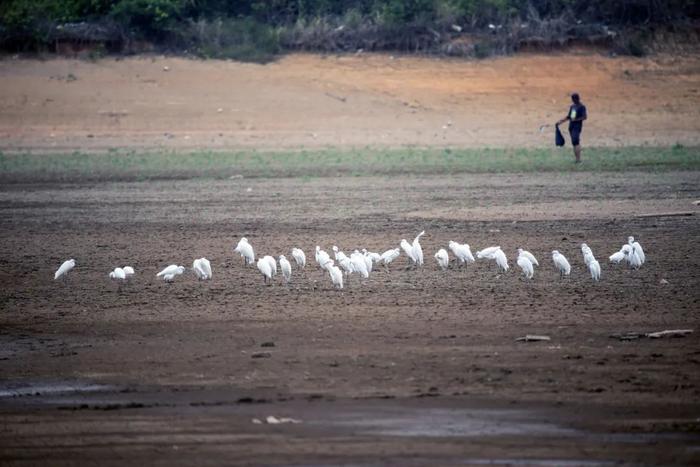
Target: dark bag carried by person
[[558, 137]]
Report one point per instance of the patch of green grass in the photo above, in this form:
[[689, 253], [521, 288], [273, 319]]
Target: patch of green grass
[[137, 165]]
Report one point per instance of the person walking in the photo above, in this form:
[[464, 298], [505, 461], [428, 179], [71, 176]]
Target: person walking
[[577, 114]]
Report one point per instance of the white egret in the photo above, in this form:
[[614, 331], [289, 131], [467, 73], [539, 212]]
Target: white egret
[[272, 262], [617, 257], [620, 255], [336, 276], [329, 264], [246, 251], [417, 249], [321, 256], [265, 269], [375, 257], [117, 274], [197, 270], [299, 257], [638, 249], [286, 268], [462, 252], [64, 269], [634, 259], [501, 260], [337, 254], [526, 265], [173, 269], [202, 268], [359, 265], [488, 253], [561, 263], [346, 264], [442, 258], [529, 256], [128, 270], [206, 266], [367, 260], [408, 249], [390, 255], [594, 269]]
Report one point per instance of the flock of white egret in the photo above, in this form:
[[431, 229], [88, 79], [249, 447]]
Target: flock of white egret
[[341, 266]]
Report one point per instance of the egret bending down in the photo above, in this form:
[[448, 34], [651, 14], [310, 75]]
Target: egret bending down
[[172, 270], [462, 252], [265, 268], [246, 251], [442, 258], [529, 256], [561, 263], [64, 269]]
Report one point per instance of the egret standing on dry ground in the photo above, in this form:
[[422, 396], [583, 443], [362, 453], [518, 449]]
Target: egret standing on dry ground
[[202, 268], [462, 252], [637, 247], [587, 253], [390, 255], [359, 265], [561, 263], [299, 257], [273, 264], [592, 264], [501, 260], [172, 269], [417, 249], [321, 257], [336, 276], [442, 258], [64, 269], [408, 249], [286, 268], [375, 257], [265, 269], [494, 252], [620, 255], [525, 264], [168, 274], [118, 274], [245, 249], [529, 256], [488, 253], [594, 269], [634, 260]]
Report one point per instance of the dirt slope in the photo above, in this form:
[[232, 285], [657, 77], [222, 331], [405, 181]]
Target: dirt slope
[[311, 101]]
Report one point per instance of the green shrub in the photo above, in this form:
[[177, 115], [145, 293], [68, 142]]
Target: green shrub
[[239, 39], [151, 19]]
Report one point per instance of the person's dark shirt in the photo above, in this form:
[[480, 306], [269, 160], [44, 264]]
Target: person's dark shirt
[[580, 113]]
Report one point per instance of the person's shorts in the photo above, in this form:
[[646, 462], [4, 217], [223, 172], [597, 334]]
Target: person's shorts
[[575, 137]]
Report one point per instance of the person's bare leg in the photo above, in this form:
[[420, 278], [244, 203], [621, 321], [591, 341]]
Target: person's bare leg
[[577, 153]]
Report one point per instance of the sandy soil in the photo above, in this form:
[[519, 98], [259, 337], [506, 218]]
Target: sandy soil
[[313, 101], [410, 367]]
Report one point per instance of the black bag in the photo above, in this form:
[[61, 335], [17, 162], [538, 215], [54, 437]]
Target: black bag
[[558, 137]]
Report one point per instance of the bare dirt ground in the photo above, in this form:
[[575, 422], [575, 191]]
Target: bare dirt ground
[[312, 101], [410, 367]]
